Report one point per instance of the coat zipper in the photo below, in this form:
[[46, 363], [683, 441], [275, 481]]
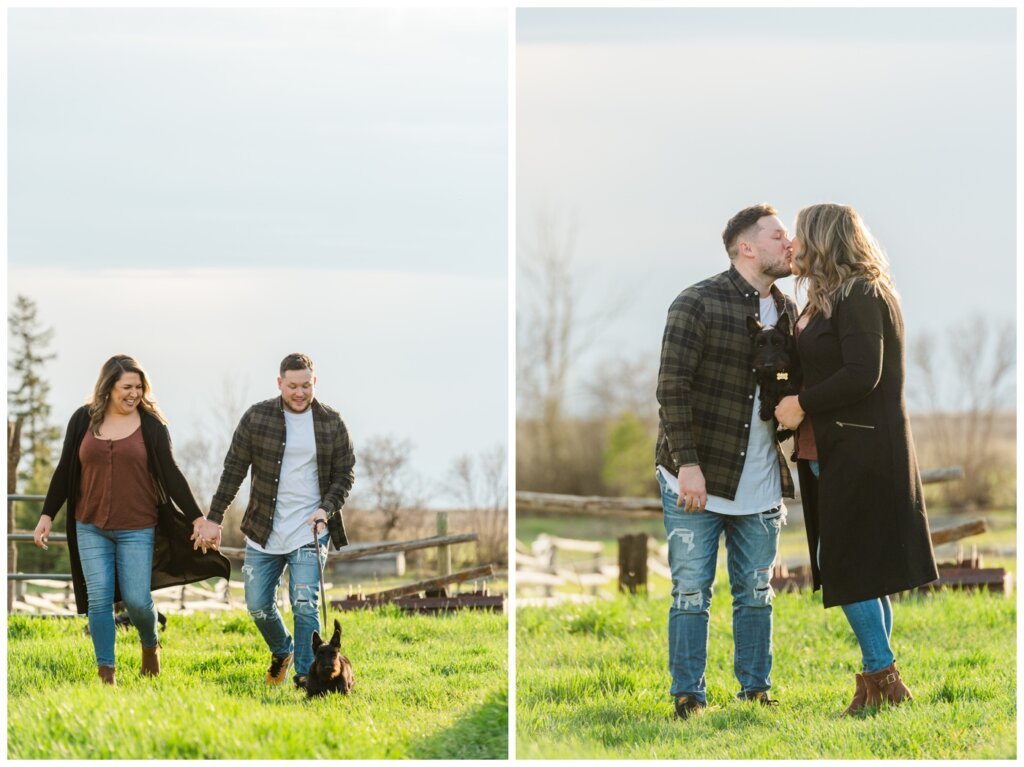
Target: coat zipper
[[858, 425]]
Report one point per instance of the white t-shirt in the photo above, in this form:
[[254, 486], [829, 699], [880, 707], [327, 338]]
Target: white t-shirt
[[760, 486], [298, 488]]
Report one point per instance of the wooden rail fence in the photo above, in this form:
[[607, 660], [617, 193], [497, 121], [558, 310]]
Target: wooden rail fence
[[56, 597]]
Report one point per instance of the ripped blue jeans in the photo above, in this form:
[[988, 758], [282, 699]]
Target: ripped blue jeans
[[263, 573], [751, 543]]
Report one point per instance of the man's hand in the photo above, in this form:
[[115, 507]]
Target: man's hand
[[318, 522], [42, 531], [206, 534], [788, 412], [693, 494]]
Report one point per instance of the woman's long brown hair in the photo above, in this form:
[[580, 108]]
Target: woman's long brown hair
[[110, 374], [837, 250]]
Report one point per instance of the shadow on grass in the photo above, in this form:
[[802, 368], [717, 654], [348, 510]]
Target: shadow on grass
[[480, 733]]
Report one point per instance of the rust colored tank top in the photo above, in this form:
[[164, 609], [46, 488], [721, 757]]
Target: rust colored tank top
[[117, 488], [806, 447]]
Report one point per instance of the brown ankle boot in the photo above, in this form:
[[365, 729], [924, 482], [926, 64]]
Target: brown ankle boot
[[107, 675], [886, 687], [151, 660], [860, 695]]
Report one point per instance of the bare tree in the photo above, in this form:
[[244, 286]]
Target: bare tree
[[966, 387], [621, 384], [387, 484], [480, 484], [202, 455], [552, 336]]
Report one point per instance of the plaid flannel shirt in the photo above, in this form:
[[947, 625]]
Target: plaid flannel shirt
[[706, 385], [259, 442]]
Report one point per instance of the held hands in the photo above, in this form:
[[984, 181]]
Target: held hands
[[693, 494], [788, 412], [317, 522], [42, 531], [206, 534]]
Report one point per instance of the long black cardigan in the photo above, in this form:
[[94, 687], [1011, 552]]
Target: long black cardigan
[[869, 511], [174, 561]]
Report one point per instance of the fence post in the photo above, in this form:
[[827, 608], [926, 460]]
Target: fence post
[[444, 553], [13, 457], [633, 563]]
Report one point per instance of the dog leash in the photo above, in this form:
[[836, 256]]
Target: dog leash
[[320, 569]]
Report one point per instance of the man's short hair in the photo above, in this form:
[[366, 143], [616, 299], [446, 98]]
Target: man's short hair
[[296, 362], [741, 222]]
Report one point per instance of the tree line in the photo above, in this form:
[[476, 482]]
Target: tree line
[[586, 424]]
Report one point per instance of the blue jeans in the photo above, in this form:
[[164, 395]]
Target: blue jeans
[[871, 621], [751, 543], [263, 576], [128, 556]]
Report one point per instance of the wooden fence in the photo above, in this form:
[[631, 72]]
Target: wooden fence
[[52, 593], [539, 568]]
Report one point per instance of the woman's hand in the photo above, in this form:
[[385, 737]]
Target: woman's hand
[[788, 412], [42, 531], [206, 534]]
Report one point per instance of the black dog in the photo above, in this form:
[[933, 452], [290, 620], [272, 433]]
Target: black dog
[[331, 671], [775, 363]]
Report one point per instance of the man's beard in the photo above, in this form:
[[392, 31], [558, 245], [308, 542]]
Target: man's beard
[[777, 269]]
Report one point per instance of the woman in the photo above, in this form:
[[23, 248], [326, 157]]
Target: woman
[[116, 472], [863, 504]]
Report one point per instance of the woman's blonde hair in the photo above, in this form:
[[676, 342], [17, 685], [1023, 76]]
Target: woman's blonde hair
[[110, 374], [837, 250]]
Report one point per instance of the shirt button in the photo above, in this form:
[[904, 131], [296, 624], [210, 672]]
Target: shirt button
[[750, 396], [742, 453], [746, 426]]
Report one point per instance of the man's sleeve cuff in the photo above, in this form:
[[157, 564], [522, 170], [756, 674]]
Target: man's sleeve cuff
[[684, 457]]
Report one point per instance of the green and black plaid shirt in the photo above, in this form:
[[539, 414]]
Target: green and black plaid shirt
[[706, 385], [259, 442]]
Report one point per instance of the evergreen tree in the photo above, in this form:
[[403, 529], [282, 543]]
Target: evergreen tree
[[28, 395], [27, 355]]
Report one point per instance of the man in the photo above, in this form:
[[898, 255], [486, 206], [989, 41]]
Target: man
[[718, 464], [301, 459]]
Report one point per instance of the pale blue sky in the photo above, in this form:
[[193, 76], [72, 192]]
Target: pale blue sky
[[650, 128], [209, 190]]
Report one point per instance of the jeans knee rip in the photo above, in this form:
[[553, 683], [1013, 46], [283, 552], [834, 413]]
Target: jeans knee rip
[[305, 598], [684, 535], [687, 600], [763, 591]]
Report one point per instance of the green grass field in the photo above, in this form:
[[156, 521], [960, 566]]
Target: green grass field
[[592, 682], [426, 687]]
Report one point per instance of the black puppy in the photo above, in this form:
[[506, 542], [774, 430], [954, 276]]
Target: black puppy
[[775, 364], [331, 671]]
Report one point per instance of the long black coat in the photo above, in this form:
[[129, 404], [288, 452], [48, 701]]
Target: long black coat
[[174, 561], [869, 512]]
